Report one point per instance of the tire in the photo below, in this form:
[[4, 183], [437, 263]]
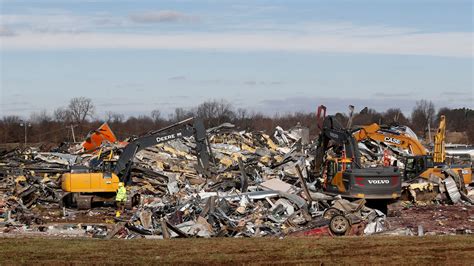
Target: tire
[[331, 212], [68, 201], [84, 202], [339, 225]]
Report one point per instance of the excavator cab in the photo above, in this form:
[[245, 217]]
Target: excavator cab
[[415, 166], [424, 166], [108, 167], [334, 170]]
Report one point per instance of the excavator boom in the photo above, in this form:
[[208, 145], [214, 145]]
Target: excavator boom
[[439, 154], [186, 128], [404, 141]]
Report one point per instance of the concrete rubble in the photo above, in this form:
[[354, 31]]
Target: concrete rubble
[[260, 186]]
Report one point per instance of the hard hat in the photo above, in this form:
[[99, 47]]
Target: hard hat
[[120, 184]]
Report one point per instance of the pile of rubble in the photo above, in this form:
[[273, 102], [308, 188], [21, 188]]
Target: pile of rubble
[[260, 186]]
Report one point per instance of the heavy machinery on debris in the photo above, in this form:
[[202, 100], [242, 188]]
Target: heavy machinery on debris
[[421, 163], [83, 186], [342, 172]]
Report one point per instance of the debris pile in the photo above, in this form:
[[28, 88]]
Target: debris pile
[[252, 214], [260, 186]]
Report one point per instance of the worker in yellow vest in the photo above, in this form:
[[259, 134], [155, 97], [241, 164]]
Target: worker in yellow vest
[[120, 199]]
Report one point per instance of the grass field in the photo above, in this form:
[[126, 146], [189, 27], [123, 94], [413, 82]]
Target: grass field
[[380, 250]]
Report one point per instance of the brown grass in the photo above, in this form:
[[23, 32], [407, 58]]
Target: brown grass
[[347, 250]]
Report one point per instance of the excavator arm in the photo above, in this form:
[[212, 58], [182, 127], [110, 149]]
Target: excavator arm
[[186, 128], [375, 132], [439, 154], [332, 130]]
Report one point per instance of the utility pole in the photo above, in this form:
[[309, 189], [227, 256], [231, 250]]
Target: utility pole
[[26, 125], [72, 131], [429, 129]]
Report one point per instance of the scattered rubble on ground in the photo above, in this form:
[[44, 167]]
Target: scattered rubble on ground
[[260, 186]]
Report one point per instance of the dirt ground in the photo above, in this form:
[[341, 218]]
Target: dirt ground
[[436, 219], [353, 250]]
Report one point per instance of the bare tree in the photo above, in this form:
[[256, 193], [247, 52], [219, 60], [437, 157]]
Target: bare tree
[[112, 117], [470, 134], [456, 119], [11, 120], [423, 115], [394, 115], [215, 112], [242, 118], [242, 114], [156, 115], [180, 114], [10, 127], [81, 108], [40, 117], [62, 115], [367, 116]]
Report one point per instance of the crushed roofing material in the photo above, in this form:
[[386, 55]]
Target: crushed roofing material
[[260, 186]]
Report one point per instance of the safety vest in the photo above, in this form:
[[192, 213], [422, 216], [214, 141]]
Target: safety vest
[[121, 194]]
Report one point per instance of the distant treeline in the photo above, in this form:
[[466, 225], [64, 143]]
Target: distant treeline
[[79, 116]]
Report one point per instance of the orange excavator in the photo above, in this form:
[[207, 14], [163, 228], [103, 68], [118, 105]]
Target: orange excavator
[[421, 163], [95, 138]]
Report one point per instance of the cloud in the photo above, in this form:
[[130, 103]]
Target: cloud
[[115, 104], [250, 82], [61, 29], [16, 103], [457, 99], [108, 21], [452, 44], [129, 85], [6, 31], [60, 21], [177, 78], [262, 83], [17, 107], [161, 16], [392, 95], [212, 81], [456, 93]]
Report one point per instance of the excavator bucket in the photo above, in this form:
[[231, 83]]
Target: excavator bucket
[[97, 137], [320, 115]]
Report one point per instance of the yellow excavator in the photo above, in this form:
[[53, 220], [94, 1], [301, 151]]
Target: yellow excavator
[[421, 164], [83, 186]]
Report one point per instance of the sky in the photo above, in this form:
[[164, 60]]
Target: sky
[[132, 57]]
